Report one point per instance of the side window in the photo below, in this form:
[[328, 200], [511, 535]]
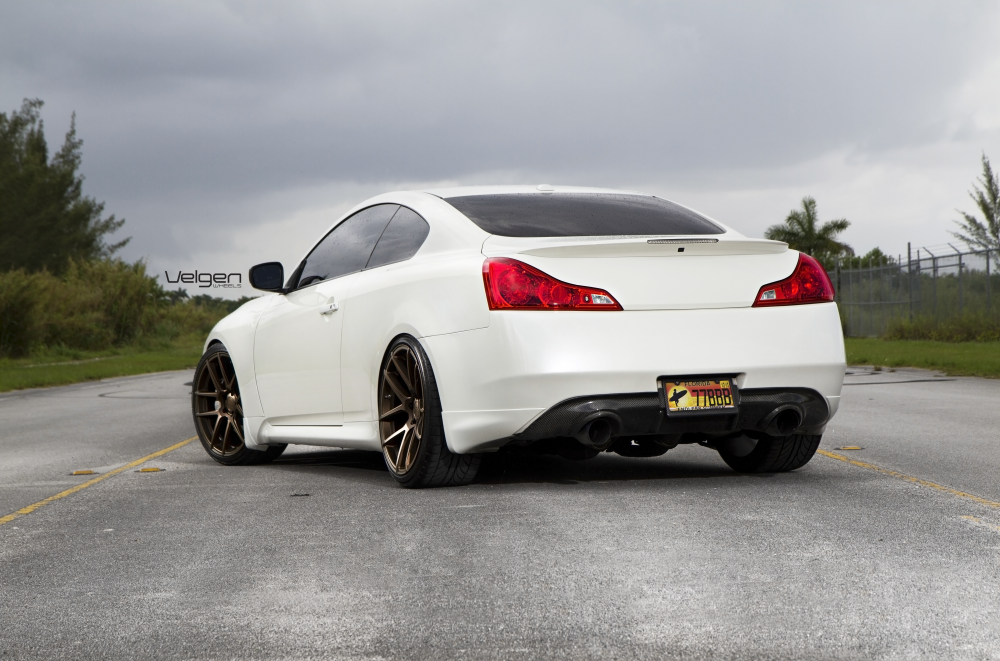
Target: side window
[[401, 239], [347, 248]]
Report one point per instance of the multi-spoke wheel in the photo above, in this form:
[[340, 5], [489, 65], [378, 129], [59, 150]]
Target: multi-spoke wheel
[[402, 409], [410, 423], [218, 411]]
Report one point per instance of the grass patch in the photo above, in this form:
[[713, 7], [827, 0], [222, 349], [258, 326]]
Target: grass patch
[[60, 367], [956, 358]]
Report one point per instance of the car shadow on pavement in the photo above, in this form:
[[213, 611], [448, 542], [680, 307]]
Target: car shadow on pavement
[[504, 468], [523, 468], [353, 459]]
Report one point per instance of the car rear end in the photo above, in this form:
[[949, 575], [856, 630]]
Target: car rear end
[[674, 328]]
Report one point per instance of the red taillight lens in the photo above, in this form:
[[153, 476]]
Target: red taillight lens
[[809, 283], [513, 285]]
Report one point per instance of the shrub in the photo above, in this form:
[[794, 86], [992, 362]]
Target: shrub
[[125, 296], [189, 318], [71, 316], [968, 327], [98, 305], [19, 312]]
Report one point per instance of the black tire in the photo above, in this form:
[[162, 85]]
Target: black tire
[[771, 454], [416, 415], [218, 412]]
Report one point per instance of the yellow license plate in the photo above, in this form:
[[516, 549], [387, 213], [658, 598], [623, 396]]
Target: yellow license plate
[[691, 395]]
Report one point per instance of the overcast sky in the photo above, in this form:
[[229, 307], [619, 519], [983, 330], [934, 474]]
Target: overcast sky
[[230, 133]]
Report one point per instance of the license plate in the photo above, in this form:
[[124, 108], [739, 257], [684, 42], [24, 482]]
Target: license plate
[[699, 395]]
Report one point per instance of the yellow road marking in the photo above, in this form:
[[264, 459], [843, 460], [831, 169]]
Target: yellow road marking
[[910, 478], [980, 522], [69, 492]]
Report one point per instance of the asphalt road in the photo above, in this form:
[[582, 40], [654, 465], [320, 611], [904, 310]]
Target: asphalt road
[[672, 557]]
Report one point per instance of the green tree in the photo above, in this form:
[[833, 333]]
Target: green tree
[[802, 231], [45, 220], [985, 234], [874, 257]]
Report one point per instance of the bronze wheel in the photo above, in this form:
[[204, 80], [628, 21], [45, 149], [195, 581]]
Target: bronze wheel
[[410, 424], [218, 411], [401, 409]]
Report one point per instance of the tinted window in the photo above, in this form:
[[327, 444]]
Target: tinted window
[[401, 239], [347, 248], [580, 214]]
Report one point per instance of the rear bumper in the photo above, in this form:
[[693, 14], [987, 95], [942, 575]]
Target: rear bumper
[[495, 382], [642, 414]]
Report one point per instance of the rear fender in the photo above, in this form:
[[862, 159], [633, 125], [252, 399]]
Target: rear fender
[[422, 298]]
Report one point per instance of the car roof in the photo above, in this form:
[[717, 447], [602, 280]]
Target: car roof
[[541, 189]]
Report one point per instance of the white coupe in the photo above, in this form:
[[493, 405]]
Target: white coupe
[[435, 326]]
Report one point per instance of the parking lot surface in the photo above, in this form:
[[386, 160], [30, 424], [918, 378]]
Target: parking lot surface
[[887, 552]]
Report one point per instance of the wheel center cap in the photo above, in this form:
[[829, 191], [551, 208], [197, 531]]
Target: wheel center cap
[[231, 400], [414, 409]]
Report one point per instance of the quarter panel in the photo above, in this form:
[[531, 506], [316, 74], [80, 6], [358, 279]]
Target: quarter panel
[[429, 295]]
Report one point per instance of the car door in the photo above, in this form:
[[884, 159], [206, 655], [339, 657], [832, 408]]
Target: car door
[[298, 338]]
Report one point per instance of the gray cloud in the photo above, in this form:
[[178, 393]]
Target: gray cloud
[[189, 107]]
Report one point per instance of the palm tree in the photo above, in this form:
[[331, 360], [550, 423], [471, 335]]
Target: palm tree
[[983, 235], [802, 232]]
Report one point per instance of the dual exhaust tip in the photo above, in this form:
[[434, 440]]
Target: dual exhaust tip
[[600, 431]]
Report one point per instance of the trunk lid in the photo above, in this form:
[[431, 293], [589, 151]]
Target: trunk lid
[[657, 272]]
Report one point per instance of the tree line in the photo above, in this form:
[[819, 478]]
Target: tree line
[[803, 231], [61, 284]]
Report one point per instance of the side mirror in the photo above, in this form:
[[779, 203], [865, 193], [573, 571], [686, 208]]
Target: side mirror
[[269, 276]]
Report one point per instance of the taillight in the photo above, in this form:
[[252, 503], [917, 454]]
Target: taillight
[[513, 285], [809, 283]]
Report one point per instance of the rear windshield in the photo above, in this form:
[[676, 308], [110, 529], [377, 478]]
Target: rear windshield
[[580, 214]]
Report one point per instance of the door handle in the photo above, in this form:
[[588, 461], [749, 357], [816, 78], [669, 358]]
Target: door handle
[[329, 308]]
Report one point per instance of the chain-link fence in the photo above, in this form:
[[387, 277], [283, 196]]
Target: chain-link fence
[[939, 285]]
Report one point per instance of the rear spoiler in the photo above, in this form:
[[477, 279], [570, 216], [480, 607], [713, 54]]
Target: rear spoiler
[[629, 246]]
